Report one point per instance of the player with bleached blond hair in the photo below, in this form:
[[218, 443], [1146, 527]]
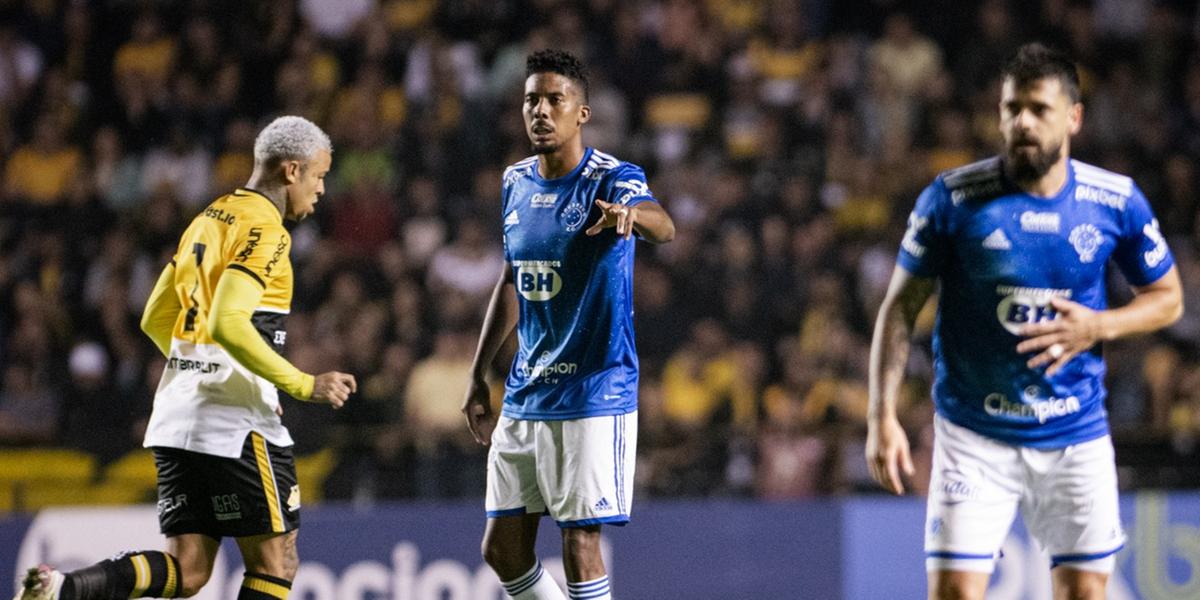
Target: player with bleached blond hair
[[224, 458]]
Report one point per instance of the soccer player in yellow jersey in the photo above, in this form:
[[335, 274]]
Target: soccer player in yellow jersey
[[224, 458]]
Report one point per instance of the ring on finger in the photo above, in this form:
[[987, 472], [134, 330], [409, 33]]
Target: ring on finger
[[1056, 351]]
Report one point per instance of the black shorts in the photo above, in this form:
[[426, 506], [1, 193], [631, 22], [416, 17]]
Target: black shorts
[[228, 497]]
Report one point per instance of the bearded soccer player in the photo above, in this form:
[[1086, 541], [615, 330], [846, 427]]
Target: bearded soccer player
[[1020, 244], [224, 458], [564, 441]]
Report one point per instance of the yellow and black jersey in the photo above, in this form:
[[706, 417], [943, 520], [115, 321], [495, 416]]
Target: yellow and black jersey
[[218, 315], [243, 233]]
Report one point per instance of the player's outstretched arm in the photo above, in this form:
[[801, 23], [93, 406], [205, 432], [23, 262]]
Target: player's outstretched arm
[[887, 449], [1078, 327], [162, 309], [229, 324], [649, 219], [498, 323]]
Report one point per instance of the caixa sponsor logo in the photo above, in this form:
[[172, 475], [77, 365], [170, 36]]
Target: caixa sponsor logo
[[1020, 306], [538, 280], [998, 405]]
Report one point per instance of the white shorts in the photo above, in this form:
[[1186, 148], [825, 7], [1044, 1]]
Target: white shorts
[[578, 471], [1068, 498]]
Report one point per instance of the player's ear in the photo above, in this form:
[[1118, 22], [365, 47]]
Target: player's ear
[[291, 171], [585, 114], [1075, 118]]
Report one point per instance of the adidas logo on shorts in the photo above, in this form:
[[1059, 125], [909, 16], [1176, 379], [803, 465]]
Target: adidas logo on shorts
[[602, 505]]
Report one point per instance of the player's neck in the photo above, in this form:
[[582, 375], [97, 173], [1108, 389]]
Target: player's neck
[[275, 192], [1048, 185], [560, 162]]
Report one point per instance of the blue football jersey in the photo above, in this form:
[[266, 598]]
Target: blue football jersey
[[576, 355], [1001, 255]]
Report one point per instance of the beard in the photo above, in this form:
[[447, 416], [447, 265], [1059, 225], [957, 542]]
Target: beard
[[1023, 166]]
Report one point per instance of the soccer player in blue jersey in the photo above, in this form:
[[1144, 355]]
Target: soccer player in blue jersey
[[564, 442], [1020, 244]]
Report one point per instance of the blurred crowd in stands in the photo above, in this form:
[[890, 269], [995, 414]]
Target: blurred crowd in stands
[[788, 138]]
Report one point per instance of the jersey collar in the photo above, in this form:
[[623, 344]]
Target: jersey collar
[[253, 193], [587, 154]]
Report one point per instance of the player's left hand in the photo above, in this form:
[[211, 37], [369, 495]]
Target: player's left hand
[[1056, 342], [614, 215], [477, 406]]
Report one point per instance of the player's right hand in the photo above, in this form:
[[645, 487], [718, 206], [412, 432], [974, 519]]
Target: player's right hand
[[333, 388], [477, 406], [887, 452]]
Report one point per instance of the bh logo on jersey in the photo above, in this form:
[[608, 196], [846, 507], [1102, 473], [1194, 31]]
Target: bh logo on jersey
[[1021, 306], [538, 280]]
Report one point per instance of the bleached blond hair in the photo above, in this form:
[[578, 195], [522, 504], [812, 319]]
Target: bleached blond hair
[[290, 138]]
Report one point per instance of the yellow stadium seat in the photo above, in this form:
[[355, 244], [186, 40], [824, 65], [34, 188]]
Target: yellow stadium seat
[[311, 471], [135, 468], [46, 463]]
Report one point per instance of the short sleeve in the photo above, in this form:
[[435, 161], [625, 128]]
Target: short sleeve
[[260, 252], [509, 220], [627, 185], [923, 248], [1142, 253]]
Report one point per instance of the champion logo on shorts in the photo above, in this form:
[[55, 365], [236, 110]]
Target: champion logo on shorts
[[602, 505]]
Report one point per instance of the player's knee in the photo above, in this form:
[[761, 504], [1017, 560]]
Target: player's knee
[[192, 582], [496, 555], [506, 560]]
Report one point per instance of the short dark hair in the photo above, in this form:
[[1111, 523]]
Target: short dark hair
[[1035, 61], [561, 62]]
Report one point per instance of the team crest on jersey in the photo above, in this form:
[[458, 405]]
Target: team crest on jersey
[[574, 215], [1086, 239]]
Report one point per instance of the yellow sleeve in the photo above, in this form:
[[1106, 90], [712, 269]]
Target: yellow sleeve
[[259, 251], [162, 309], [233, 304]]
